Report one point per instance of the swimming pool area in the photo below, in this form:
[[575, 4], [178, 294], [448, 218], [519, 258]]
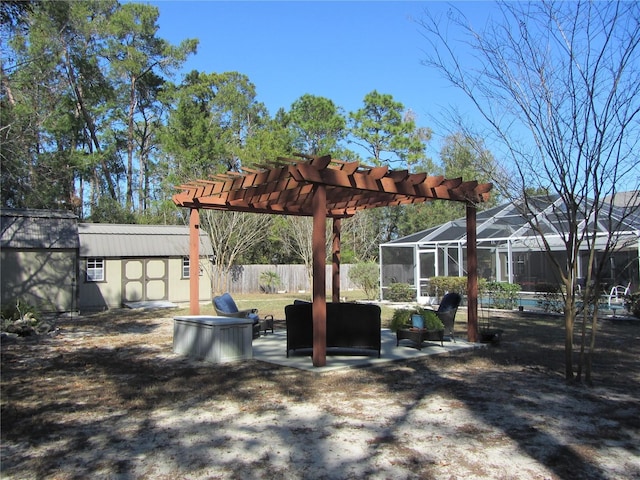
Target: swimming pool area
[[529, 302]]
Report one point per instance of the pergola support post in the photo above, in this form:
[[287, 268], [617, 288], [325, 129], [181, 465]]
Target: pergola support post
[[335, 264], [472, 275], [319, 307], [194, 262]]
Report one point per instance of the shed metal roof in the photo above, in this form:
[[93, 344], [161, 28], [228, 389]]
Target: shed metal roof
[[114, 240], [38, 229]]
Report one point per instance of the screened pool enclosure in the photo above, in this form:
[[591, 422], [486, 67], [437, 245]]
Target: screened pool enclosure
[[508, 249]]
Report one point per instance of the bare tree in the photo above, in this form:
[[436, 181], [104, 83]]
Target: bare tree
[[557, 84], [232, 234], [296, 236], [363, 235]]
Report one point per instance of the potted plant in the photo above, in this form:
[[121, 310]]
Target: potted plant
[[431, 320], [402, 318], [432, 324]]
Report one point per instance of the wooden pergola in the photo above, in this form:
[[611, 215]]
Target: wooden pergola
[[322, 187]]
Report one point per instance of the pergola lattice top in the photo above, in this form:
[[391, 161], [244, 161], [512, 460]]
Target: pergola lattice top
[[285, 187]]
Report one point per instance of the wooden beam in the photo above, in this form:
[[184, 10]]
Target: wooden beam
[[194, 262], [335, 261], [472, 275], [319, 307]]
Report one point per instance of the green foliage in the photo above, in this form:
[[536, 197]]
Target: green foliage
[[438, 286], [549, 297], [22, 319], [632, 304], [466, 157], [502, 295], [431, 320], [366, 276], [402, 318], [401, 292], [381, 127], [108, 210], [318, 125], [270, 281]]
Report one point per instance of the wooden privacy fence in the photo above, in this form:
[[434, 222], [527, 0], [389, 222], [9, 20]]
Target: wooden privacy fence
[[293, 278]]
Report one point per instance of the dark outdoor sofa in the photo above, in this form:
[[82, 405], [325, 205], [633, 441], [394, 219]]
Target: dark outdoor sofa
[[350, 327]]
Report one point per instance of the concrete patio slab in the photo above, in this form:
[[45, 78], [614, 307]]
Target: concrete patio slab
[[271, 348]]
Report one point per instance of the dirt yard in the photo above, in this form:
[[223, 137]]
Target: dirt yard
[[106, 398]]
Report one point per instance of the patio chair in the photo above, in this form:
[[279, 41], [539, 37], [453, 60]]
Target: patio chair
[[618, 293], [225, 306], [447, 312]]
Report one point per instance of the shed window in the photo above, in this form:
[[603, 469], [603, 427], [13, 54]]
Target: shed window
[[186, 270], [95, 269], [185, 267]]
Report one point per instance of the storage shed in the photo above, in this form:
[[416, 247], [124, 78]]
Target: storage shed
[[127, 264], [39, 258]]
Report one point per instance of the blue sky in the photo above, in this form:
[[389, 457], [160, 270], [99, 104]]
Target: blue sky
[[338, 50]]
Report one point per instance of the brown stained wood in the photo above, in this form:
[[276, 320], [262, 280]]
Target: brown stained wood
[[416, 178], [398, 175], [194, 261], [236, 183], [349, 167], [345, 181], [335, 261], [452, 182], [484, 188], [319, 307], [249, 180], [378, 172], [472, 274], [434, 181], [296, 174], [320, 163]]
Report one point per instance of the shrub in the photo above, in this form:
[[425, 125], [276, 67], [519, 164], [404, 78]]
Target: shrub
[[438, 286], [503, 295], [366, 275], [548, 297], [270, 281], [431, 320], [401, 292], [21, 318], [402, 319], [632, 304]]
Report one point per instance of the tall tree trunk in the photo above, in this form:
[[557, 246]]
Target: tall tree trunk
[[91, 127], [568, 344], [132, 107]]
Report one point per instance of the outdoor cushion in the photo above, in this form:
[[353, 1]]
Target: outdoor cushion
[[225, 305]]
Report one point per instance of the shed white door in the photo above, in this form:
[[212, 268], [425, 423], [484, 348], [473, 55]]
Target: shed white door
[[145, 279]]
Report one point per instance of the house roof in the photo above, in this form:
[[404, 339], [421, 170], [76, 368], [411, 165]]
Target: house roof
[[114, 240], [507, 223], [38, 229]]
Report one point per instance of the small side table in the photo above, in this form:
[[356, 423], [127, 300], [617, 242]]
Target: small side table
[[419, 335]]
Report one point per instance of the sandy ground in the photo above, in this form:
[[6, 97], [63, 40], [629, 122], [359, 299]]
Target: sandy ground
[[111, 400]]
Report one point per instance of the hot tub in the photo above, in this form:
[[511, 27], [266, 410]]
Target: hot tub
[[214, 339]]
